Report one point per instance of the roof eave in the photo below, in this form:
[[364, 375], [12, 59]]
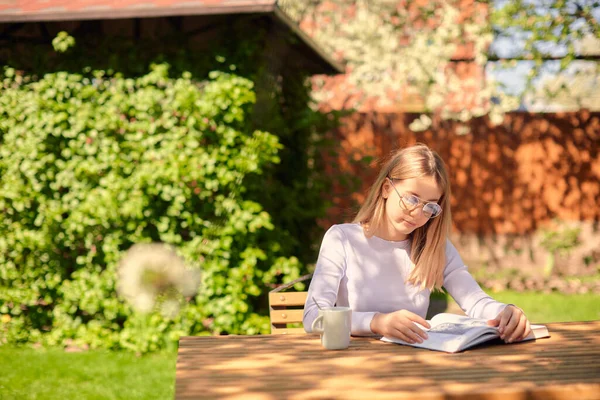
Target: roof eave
[[122, 13], [336, 68], [331, 66]]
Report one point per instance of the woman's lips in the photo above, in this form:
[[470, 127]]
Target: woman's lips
[[411, 224]]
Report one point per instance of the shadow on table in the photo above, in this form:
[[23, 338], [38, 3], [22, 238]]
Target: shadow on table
[[280, 366]]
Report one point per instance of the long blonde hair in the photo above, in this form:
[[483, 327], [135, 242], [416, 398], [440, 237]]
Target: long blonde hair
[[428, 243]]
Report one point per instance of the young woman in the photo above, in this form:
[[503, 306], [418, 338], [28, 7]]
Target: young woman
[[385, 264]]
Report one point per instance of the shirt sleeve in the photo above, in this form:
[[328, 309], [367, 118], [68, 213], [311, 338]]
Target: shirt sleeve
[[325, 283], [465, 290]]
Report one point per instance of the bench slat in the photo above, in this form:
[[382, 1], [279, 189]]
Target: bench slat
[[287, 298], [286, 316]]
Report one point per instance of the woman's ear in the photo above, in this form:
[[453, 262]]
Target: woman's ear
[[385, 189]]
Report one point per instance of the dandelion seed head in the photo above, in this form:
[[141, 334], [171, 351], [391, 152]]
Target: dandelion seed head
[[152, 271]]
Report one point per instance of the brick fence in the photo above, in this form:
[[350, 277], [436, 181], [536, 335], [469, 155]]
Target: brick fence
[[508, 181]]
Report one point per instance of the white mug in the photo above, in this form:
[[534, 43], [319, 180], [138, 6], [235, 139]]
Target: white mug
[[334, 323]]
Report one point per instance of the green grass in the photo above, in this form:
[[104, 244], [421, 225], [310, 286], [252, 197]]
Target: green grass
[[547, 307], [553, 307], [27, 373]]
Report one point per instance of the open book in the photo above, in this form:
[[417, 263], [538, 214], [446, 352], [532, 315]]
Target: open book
[[453, 333]]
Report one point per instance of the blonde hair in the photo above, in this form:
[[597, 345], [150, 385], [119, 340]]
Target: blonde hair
[[428, 242]]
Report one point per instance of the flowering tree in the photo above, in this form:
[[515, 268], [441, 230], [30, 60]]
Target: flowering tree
[[560, 43], [437, 51]]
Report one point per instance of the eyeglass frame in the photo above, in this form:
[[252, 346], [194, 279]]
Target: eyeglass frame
[[421, 203]]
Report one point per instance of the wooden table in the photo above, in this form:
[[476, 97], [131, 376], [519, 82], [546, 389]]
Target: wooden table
[[565, 366]]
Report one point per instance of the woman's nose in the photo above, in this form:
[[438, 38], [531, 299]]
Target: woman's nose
[[416, 212], [412, 211]]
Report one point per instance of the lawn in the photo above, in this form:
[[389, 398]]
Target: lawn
[[548, 307], [27, 373], [554, 307]]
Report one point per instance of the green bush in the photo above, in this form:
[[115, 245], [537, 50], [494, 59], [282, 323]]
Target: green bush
[[94, 162], [560, 240]]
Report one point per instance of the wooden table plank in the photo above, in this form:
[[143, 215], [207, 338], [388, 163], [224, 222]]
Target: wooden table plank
[[567, 365]]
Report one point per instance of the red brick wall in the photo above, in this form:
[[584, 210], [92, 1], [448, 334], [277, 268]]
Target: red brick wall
[[506, 179]]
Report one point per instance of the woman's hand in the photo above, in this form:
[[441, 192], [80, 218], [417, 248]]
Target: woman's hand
[[512, 324], [401, 325]]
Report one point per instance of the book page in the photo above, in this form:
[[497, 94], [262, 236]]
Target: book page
[[456, 319], [456, 336], [537, 331], [452, 333]]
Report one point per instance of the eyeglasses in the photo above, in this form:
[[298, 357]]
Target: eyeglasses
[[410, 202]]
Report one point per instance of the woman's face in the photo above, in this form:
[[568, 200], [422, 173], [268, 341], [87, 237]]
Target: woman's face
[[399, 220]]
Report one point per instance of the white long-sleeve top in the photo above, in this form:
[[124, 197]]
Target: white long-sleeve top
[[369, 275]]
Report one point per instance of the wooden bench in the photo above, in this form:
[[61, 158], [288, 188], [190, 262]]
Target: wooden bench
[[287, 308]]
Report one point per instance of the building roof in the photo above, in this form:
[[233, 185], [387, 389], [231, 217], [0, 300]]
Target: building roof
[[53, 10], [12, 11]]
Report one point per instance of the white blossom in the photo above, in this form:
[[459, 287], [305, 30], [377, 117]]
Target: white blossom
[[388, 56]]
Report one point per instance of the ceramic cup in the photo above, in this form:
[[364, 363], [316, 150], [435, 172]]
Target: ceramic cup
[[333, 323]]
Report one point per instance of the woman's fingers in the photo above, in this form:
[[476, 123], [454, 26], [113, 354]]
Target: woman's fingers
[[410, 320], [410, 330], [509, 331], [401, 324], [418, 331], [413, 329], [519, 328], [400, 335], [508, 322], [410, 335], [416, 318], [523, 329], [504, 320]]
